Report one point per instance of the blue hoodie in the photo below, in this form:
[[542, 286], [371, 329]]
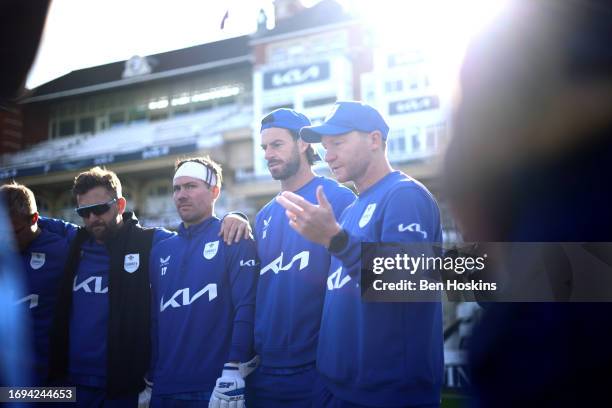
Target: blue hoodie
[[203, 295], [292, 279], [382, 354]]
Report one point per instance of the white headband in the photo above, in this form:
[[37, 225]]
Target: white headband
[[198, 171]]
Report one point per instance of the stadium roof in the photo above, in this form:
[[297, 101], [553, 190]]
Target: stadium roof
[[197, 58], [188, 60]]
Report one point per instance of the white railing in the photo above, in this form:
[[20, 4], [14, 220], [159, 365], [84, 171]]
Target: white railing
[[196, 127]]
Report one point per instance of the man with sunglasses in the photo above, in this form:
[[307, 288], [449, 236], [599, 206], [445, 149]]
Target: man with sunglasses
[[101, 336], [43, 255], [203, 300]]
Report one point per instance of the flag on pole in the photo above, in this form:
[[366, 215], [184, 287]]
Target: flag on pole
[[225, 16]]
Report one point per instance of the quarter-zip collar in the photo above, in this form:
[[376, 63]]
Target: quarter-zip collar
[[196, 229]]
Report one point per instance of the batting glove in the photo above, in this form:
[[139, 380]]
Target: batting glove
[[229, 389], [144, 398]]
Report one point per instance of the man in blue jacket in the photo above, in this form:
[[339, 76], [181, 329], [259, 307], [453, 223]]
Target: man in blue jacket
[[293, 275], [203, 299], [43, 255], [370, 354], [100, 340]]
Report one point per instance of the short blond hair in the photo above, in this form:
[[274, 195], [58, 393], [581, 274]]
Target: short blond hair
[[19, 200]]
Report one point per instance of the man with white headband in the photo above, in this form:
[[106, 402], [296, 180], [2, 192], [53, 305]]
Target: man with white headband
[[203, 293]]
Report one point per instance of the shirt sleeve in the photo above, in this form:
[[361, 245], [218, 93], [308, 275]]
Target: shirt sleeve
[[411, 215], [243, 269], [59, 227], [350, 255], [238, 213], [341, 200], [161, 234]]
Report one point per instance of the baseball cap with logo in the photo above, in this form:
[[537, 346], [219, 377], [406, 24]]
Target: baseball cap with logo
[[345, 117], [285, 119]]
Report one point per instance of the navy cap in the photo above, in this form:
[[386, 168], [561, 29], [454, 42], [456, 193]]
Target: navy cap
[[284, 118], [345, 117]]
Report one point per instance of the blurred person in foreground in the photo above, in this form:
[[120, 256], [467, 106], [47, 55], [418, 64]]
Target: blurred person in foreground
[[16, 347], [21, 27], [528, 163]]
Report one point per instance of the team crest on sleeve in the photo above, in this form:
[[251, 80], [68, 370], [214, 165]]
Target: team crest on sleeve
[[210, 249], [37, 260], [367, 215], [131, 262]]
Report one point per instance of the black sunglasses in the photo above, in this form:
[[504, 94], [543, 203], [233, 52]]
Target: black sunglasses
[[96, 209]]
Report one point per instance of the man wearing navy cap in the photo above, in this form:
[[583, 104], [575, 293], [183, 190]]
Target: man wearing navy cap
[[293, 271], [370, 354]]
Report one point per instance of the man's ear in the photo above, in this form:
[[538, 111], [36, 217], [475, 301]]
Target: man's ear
[[34, 218], [376, 139], [121, 204], [302, 146], [215, 190]]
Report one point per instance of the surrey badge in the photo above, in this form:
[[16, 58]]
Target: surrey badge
[[367, 215], [37, 260], [210, 249], [131, 262]]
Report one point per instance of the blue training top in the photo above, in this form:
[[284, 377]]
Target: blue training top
[[382, 354], [203, 295], [292, 280]]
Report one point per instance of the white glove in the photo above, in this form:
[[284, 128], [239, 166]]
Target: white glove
[[229, 389], [248, 367], [144, 398]]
